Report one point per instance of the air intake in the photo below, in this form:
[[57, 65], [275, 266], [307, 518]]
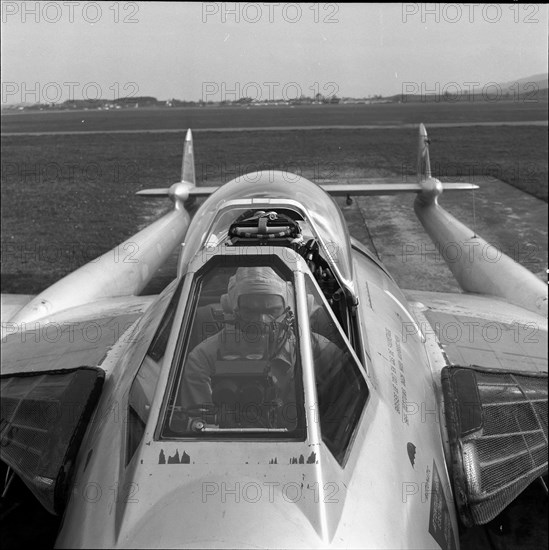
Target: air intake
[[497, 426], [44, 418]]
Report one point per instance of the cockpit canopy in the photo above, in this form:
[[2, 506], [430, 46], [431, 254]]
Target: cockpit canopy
[[300, 206]]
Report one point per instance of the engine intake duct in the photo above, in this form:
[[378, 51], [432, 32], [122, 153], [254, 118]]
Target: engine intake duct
[[497, 426], [44, 418]]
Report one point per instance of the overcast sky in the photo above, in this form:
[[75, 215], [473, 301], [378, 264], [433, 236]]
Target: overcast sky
[[211, 50]]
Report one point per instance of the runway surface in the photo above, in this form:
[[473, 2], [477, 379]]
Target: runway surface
[[282, 128]]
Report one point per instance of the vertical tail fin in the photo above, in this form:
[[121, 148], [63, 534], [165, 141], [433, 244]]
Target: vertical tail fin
[[431, 188], [180, 192], [187, 164], [423, 162]]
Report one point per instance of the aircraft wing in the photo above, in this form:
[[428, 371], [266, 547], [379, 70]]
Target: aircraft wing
[[494, 389], [51, 379], [164, 192], [386, 186], [12, 303], [369, 186], [479, 330], [69, 341]]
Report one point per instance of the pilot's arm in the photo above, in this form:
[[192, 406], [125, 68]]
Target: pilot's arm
[[328, 360], [325, 351], [197, 375], [332, 385]]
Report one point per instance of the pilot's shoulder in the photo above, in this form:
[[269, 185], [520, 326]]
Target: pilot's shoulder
[[318, 338], [208, 346], [320, 342]]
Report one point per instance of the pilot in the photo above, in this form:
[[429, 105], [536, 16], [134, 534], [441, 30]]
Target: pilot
[[261, 302]]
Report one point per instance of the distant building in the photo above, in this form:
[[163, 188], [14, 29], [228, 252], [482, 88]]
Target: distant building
[[141, 101]]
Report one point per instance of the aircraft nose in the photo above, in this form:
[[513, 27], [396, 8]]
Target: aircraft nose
[[225, 513]]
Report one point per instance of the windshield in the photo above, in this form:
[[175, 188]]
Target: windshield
[[240, 372], [341, 389]]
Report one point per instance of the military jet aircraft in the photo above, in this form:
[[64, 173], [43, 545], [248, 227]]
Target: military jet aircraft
[[356, 415]]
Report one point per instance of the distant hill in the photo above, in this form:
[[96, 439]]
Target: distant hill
[[539, 80], [531, 88]]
